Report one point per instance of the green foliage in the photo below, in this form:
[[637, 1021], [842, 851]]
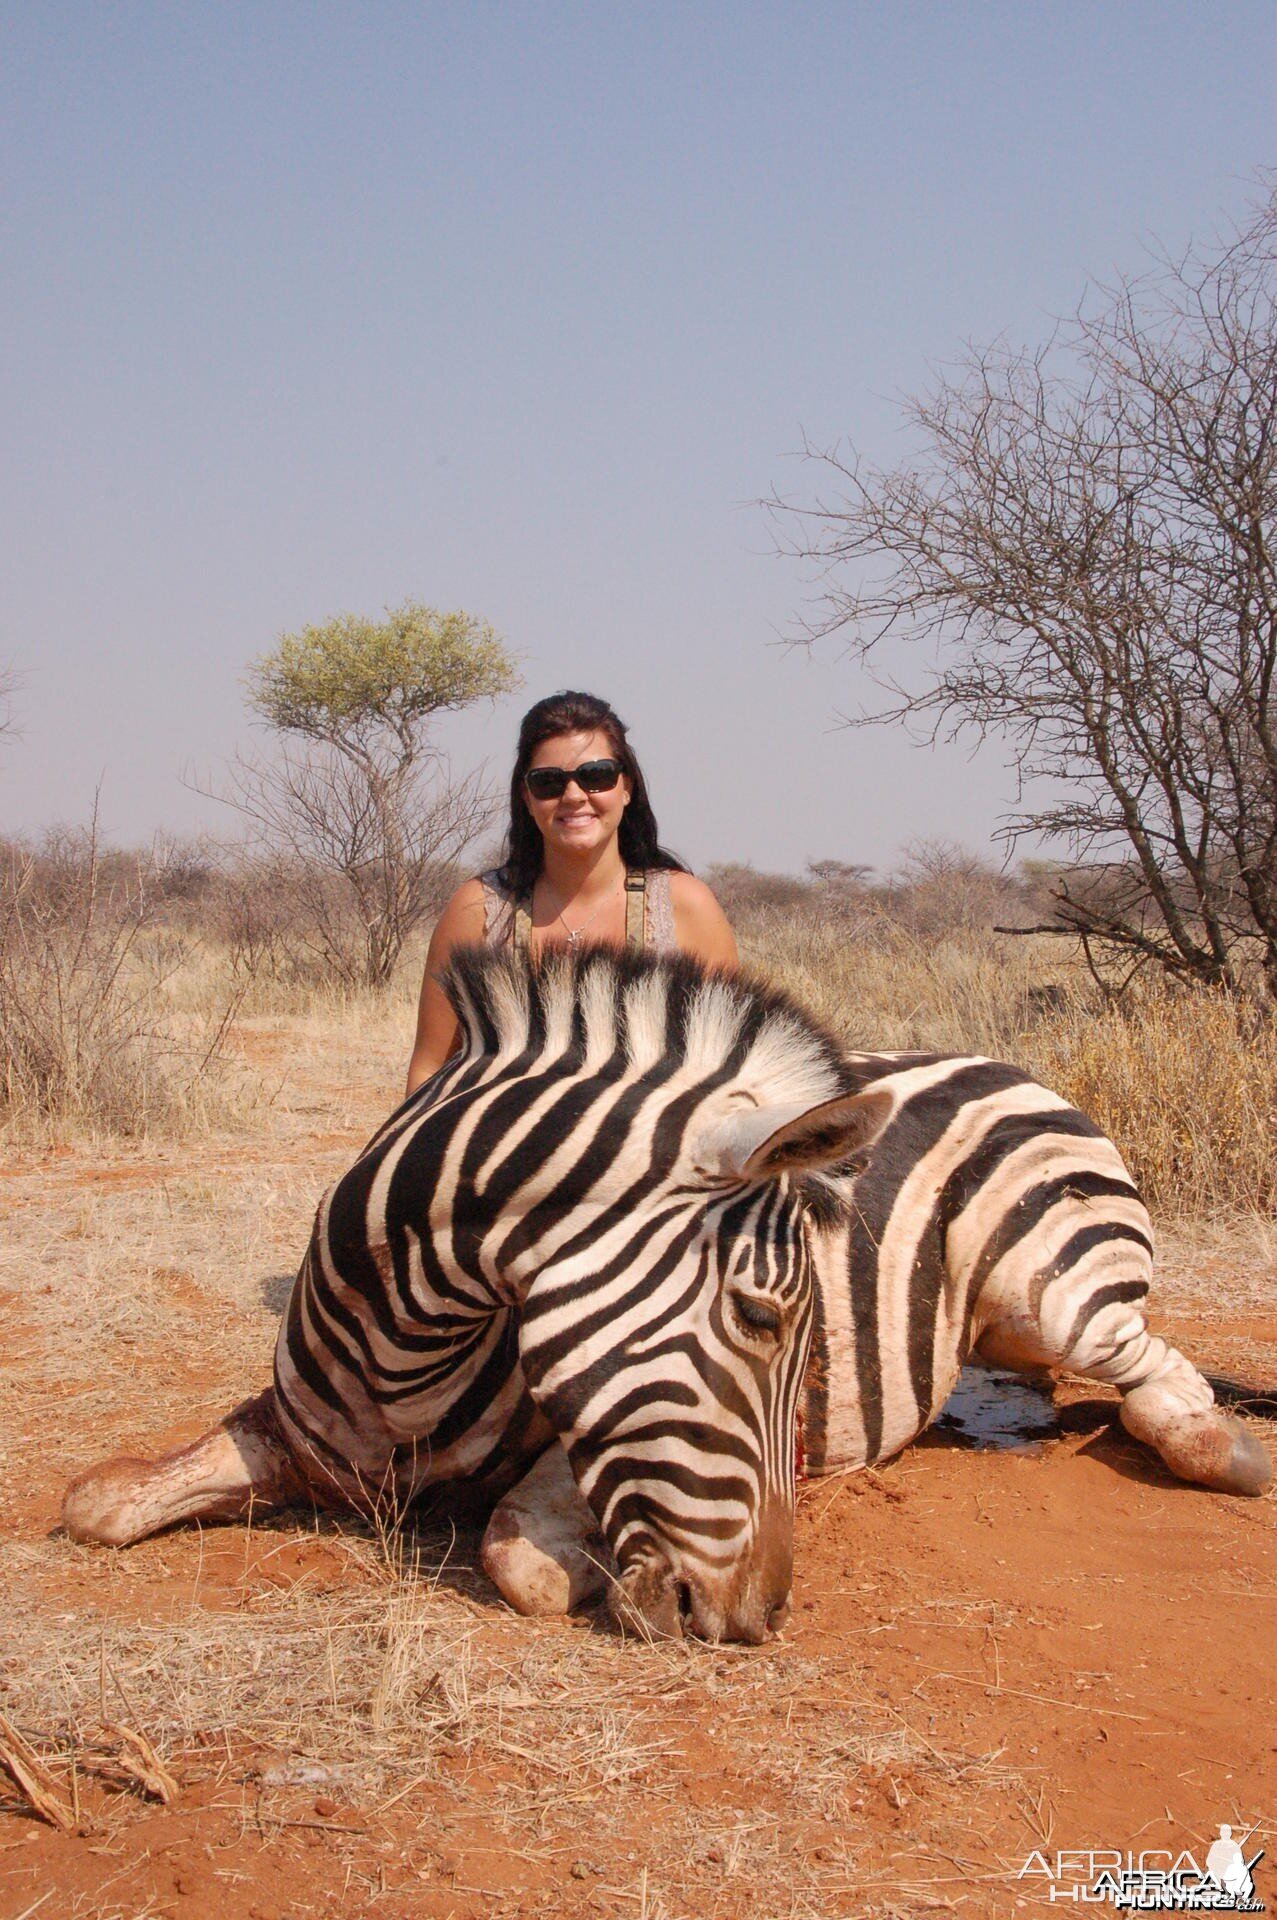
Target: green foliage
[[354, 677], [365, 816]]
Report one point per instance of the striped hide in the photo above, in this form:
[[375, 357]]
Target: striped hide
[[591, 1224], [659, 1217], [991, 1218]]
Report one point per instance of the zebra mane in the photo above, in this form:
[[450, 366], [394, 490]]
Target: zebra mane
[[596, 1004]]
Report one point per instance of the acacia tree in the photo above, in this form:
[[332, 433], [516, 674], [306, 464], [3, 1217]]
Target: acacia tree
[[365, 816], [1082, 559]]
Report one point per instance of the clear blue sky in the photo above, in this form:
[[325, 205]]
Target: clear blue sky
[[519, 307]]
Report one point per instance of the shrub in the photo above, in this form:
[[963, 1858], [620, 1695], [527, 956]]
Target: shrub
[[85, 959], [1183, 1079], [1185, 1082]]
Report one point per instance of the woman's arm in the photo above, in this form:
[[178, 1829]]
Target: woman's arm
[[460, 923], [701, 925]]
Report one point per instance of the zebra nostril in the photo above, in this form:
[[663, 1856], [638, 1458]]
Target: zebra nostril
[[683, 1594], [778, 1618]]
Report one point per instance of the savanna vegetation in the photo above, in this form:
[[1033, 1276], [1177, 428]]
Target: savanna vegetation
[[135, 987], [313, 1717], [987, 1659], [1077, 558]]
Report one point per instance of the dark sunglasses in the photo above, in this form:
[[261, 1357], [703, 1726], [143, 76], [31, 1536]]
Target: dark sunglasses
[[551, 783]]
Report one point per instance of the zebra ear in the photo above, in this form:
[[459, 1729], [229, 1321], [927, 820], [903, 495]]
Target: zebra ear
[[764, 1142]]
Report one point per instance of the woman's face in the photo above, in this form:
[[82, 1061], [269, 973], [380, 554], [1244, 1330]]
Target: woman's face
[[577, 822]]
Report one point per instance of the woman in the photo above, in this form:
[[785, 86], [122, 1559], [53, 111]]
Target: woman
[[583, 866]]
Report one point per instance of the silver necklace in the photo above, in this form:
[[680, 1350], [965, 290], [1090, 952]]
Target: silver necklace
[[574, 933]]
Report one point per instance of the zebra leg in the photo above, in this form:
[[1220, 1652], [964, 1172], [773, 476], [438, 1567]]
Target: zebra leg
[[1166, 1403], [1172, 1410], [242, 1463], [542, 1549]]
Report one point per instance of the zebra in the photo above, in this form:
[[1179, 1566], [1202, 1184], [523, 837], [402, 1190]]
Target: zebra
[[647, 1227], [994, 1221]]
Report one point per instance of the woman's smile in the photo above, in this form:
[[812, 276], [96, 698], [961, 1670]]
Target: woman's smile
[[576, 819], [578, 826]]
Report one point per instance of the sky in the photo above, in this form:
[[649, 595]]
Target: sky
[[523, 308]]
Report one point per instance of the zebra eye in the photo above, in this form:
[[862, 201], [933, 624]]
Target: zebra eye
[[757, 1314]]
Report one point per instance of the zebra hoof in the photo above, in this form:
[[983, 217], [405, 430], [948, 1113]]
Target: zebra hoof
[[535, 1582], [98, 1510], [1208, 1448], [527, 1579], [542, 1549], [1250, 1469]]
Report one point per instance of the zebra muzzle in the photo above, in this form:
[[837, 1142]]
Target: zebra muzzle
[[660, 1601]]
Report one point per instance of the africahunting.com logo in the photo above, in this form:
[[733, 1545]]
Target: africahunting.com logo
[[1156, 1881]]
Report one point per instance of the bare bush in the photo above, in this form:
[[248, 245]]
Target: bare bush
[[941, 888], [85, 957], [341, 868], [938, 888], [746, 891], [10, 681], [1081, 555], [253, 918]]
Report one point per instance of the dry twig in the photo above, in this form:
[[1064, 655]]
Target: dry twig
[[33, 1779], [140, 1765]]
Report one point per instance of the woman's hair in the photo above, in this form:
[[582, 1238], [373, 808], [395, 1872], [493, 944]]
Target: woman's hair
[[637, 837]]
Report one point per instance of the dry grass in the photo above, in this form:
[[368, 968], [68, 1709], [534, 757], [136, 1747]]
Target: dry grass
[[364, 1669], [1185, 1082], [124, 1014], [268, 1666], [387, 1688], [380, 1684], [961, 992]]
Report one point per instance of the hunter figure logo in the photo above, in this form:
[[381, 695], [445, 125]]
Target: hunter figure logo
[[1154, 1881], [1228, 1867]]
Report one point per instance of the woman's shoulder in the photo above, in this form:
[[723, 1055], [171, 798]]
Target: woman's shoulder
[[702, 926], [464, 913], [686, 886], [473, 892], [687, 891]]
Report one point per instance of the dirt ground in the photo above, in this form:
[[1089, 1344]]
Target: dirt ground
[[996, 1658]]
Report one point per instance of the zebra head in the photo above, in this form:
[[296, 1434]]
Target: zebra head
[[666, 1322]]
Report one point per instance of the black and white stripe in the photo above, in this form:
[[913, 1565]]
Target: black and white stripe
[[588, 1225], [992, 1217], [660, 1216]]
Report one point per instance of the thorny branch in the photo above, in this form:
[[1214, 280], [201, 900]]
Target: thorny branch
[[1084, 553]]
